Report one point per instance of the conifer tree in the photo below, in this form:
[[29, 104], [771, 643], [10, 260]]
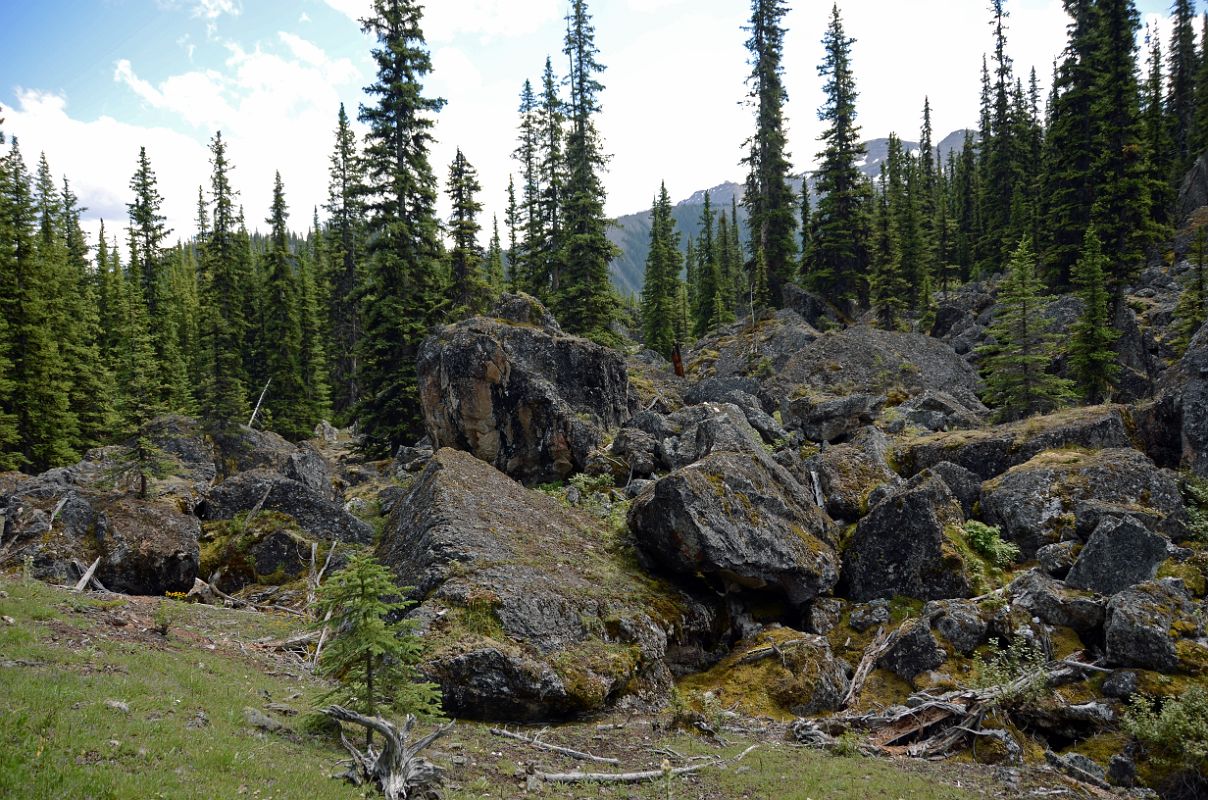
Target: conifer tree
[[807, 234], [224, 328], [890, 290], [999, 187], [1157, 138], [711, 308], [402, 289], [1192, 310], [469, 286], [769, 200], [287, 402], [1121, 213], [139, 397], [584, 299], [374, 651], [1181, 100], [10, 440], [495, 277], [841, 239], [661, 290], [1092, 358], [528, 255], [345, 268], [552, 171], [1015, 366], [512, 220], [1199, 139], [313, 296]]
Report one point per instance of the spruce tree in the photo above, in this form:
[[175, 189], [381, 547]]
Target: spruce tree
[[139, 397], [224, 327], [841, 240], [1199, 138], [661, 290], [1121, 212], [1192, 310], [402, 290], [374, 651], [770, 202], [495, 276], [513, 222], [1157, 139], [527, 267], [345, 267], [1015, 366], [286, 402], [469, 287], [1092, 358], [313, 297], [1181, 100], [552, 171], [711, 308], [889, 289], [10, 440], [584, 300]]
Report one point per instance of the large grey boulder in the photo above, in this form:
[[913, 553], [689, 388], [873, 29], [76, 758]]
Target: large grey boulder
[[914, 651], [653, 442], [528, 614], [1147, 623], [524, 398], [826, 418], [740, 520], [1121, 553], [934, 410], [1041, 502], [315, 513], [848, 473], [991, 452], [903, 547], [1053, 602], [146, 548]]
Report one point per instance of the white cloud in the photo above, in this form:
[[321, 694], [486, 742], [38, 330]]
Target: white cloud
[[213, 9], [305, 18], [446, 20]]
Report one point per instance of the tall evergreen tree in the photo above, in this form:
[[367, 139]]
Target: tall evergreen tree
[[1157, 138], [286, 400], [661, 291], [771, 213], [1181, 100], [10, 438], [584, 299], [890, 290], [1092, 359], [313, 297], [552, 169], [224, 325], [495, 276], [528, 257], [402, 290], [1121, 213], [345, 268], [469, 286], [512, 220], [1015, 366], [840, 241]]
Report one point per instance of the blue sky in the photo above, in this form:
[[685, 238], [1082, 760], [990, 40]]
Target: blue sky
[[89, 81]]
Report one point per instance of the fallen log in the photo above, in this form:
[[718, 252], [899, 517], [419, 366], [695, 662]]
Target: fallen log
[[535, 741], [868, 662], [636, 777]]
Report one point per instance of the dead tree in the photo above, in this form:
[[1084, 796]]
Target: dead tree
[[398, 770]]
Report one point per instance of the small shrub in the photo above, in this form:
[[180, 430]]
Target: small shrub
[[167, 613], [848, 746], [1022, 657], [1195, 496], [987, 542], [480, 617], [1174, 734]]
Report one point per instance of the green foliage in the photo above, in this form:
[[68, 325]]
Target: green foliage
[[168, 611], [1092, 357], [1016, 365], [469, 288], [1195, 496], [661, 293], [373, 658], [1192, 310], [142, 463], [1173, 733], [987, 542], [1022, 658]]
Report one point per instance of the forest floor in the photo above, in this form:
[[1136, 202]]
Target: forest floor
[[97, 704]]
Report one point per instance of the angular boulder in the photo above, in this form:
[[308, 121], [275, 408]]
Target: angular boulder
[[903, 547], [960, 622], [1039, 502], [914, 651], [320, 517], [825, 418], [528, 614], [1053, 602], [848, 473], [1120, 553], [146, 548], [1147, 623], [653, 442], [740, 520], [934, 410], [991, 452], [1195, 404], [521, 395]]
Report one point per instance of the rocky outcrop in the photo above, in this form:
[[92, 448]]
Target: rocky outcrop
[[848, 473], [824, 418], [1046, 499], [960, 622], [742, 521], [521, 396], [993, 451], [1147, 624], [903, 547], [1120, 553], [1193, 191], [527, 613], [934, 411], [270, 491], [914, 651], [307, 466], [863, 360], [759, 353], [652, 442], [146, 548], [1053, 602], [1195, 403]]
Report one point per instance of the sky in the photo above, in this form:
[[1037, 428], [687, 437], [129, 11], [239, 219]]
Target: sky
[[88, 82]]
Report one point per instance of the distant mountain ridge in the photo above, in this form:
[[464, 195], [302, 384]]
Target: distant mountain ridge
[[632, 232]]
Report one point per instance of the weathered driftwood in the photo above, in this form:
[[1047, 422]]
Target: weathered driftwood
[[635, 777], [535, 741], [398, 770], [937, 727], [868, 662], [87, 577]]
